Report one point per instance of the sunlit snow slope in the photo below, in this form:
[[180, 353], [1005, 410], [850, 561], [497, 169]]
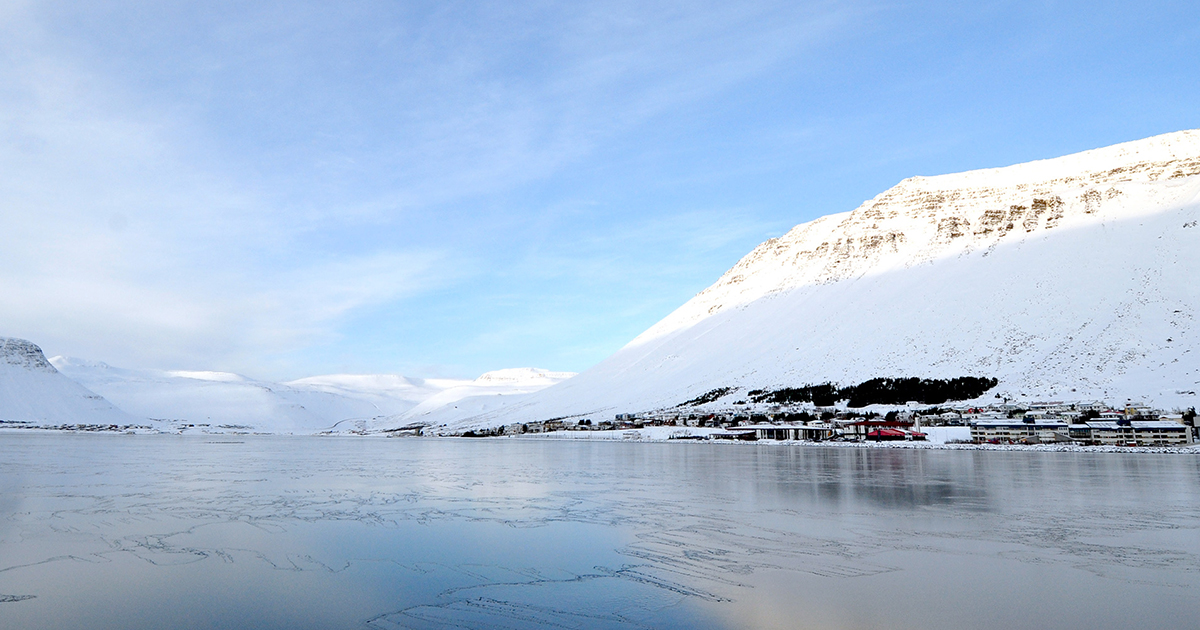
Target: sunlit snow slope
[[33, 393], [1075, 278], [489, 393], [226, 401]]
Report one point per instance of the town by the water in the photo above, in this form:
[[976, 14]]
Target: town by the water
[[1133, 424]]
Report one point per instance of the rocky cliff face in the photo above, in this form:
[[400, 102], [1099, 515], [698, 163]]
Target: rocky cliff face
[[23, 354], [922, 219], [34, 393], [1066, 279]]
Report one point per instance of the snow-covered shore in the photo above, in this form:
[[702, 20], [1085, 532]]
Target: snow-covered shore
[[661, 435], [693, 434]]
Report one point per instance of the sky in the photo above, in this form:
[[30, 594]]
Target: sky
[[284, 189]]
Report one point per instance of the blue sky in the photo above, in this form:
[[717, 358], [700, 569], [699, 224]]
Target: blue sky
[[443, 188]]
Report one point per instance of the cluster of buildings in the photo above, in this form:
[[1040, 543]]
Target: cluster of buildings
[[1096, 424], [1134, 424]]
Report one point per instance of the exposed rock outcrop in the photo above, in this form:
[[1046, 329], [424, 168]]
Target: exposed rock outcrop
[[34, 393], [1066, 279]]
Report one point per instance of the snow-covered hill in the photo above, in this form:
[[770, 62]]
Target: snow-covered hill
[[222, 401], [226, 401], [33, 393], [490, 392], [390, 393], [1073, 278]]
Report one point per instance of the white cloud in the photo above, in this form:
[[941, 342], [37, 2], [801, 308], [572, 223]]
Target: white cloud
[[115, 244], [168, 205]]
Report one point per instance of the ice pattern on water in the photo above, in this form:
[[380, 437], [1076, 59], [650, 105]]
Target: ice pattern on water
[[576, 535]]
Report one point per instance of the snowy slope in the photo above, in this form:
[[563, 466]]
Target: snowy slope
[[222, 401], [32, 392], [229, 401], [490, 392], [390, 393], [1073, 278]]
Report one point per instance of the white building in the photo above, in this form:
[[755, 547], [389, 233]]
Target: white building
[[1134, 433], [1027, 430]]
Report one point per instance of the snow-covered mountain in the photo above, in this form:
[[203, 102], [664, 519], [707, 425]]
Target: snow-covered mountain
[[223, 401], [33, 393], [227, 401], [1074, 278], [489, 393], [390, 393]]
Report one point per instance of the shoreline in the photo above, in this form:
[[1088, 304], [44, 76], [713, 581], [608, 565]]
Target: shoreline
[[620, 437], [1193, 449]]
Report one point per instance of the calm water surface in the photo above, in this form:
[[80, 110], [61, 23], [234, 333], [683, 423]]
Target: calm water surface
[[139, 532]]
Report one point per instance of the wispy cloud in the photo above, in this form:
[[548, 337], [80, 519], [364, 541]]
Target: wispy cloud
[[118, 244], [206, 185]]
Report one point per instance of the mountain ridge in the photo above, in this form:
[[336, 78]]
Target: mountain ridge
[[1065, 278], [214, 401], [1004, 201], [34, 393]]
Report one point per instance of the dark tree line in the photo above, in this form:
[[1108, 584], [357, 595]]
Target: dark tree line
[[707, 397], [881, 391], [820, 395]]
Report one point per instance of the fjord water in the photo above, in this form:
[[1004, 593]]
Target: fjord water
[[103, 531]]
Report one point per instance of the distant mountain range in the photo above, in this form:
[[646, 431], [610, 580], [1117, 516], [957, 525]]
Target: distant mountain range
[[33, 393], [1070, 279], [1075, 278], [78, 394]]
